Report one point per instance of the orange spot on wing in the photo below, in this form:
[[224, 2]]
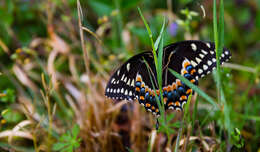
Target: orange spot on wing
[[188, 91], [153, 107], [174, 86], [137, 89], [177, 103], [169, 88], [170, 104], [192, 71], [147, 105], [139, 79], [183, 98], [142, 85], [186, 64], [157, 110], [178, 83], [142, 97], [192, 81]]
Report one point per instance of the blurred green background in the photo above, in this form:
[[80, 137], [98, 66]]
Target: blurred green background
[[52, 97]]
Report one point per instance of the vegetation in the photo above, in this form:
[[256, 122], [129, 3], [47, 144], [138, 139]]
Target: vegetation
[[56, 57]]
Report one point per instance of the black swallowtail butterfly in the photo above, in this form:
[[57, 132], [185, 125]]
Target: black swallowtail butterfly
[[192, 59]]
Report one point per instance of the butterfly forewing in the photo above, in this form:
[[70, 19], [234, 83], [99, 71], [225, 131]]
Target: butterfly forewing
[[202, 55]]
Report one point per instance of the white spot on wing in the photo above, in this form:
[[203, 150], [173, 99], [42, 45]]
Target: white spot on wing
[[200, 71], [193, 63], [205, 67], [128, 82], [126, 92], [130, 93], [193, 46], [118, 90], [108, 90], [209, 62], [133, 83], [208, 45], [122, 90], [125, 79], [118, 72], [212, 52], [214, 60], [122, 78], [112, 80], [114, 90], [198, 59], [202, 56], [226, 52], [128, 67], [205, 52]]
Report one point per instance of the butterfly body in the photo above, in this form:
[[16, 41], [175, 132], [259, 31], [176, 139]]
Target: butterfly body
[[137, 76]]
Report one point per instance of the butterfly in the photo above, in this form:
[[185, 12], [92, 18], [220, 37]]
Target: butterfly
[[192, 59]]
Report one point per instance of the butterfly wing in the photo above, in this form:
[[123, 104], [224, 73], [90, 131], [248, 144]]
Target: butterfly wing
[[202, 55], [135, 78], [121, 85]]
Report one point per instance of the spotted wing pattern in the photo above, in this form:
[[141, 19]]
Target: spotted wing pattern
[[136, 77], [121, 85]]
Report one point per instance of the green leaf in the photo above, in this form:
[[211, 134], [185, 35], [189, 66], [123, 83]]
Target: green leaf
[[12, 116], [75, 130], [58, 146]]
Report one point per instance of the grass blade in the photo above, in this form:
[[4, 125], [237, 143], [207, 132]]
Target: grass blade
[[160, 36]]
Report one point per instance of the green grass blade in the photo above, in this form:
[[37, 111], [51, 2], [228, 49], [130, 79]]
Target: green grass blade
[[195, 88], [150, 36], [221, 27], [216, 39], [156, 44]]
